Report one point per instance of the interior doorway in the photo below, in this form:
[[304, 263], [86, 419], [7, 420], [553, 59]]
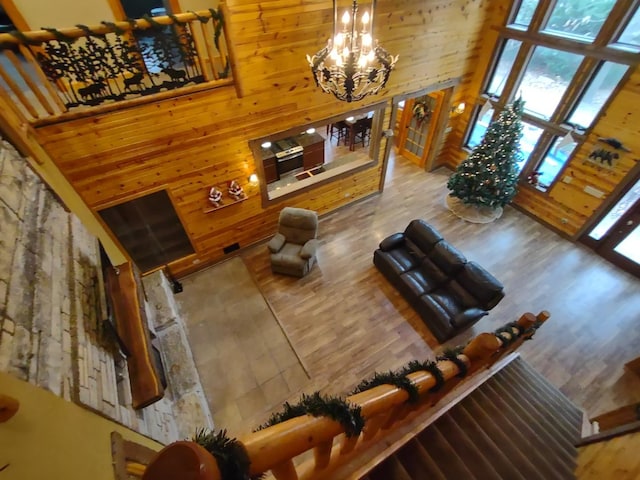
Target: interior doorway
[[417, 126], [616, 237]]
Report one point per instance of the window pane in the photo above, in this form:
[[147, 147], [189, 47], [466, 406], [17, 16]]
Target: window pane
[[525, 13], [546, 79], [553, 161], [631, 35], [620, 208], [579, 18], [597, 94], [503, 67], [530, 136], [480, 128]]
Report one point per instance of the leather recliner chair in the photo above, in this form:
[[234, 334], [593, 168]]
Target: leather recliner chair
[[293, 248]]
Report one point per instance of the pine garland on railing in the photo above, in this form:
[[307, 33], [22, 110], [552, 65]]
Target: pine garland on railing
[[427, 366], [452, 356], [230, 455], [318, 405], [508, 328], [397, 379]]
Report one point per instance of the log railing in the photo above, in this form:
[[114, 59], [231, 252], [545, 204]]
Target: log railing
[[49, 73], [313, 448]]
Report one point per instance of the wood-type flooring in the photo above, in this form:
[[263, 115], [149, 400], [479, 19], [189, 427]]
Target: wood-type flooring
[[346, 321]]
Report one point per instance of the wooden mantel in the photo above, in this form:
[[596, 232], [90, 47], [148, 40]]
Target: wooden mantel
[[127, 301]]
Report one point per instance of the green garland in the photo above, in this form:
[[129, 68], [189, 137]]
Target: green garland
[[317, 405], [508, 328], [452, 356], [427, 366], [398, 379], [229, 453]]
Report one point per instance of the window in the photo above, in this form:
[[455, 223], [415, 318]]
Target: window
[[546, 79], [564, 82], [630, 36], [525, 12], [580, 19], [503, 67]]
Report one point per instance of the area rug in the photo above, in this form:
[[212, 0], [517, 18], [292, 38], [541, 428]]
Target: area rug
[[246, 363], [472, 213]]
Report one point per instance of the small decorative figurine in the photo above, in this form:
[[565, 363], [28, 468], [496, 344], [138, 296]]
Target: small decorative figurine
[[215, 197], [235, 190]]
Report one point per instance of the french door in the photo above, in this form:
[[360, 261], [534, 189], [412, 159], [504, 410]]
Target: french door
[[617, 236], [416, 133]]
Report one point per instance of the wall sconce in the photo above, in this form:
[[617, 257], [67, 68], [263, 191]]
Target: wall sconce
[[253, 178], [458, 109]]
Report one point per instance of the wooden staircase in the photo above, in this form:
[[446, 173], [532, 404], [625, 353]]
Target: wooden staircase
[[514, 426]]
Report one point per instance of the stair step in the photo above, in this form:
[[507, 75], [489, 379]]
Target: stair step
[[449, 463], [488, 445], [504, 435], [390, 469], [418, 463], [474, 459], [541, 389], [566, 433], [551, 390], [550, 455]]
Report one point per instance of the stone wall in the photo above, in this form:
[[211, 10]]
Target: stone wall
[[51, 319]]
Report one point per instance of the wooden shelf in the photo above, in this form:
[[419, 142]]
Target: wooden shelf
[[224, 205]]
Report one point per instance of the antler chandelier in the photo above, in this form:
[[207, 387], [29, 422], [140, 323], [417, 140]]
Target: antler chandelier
[[352, 65]]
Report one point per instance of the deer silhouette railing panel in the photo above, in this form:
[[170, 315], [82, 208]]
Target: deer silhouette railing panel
[[310, 447], [50, 72]]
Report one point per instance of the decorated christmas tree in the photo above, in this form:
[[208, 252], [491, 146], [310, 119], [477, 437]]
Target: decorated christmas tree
[[489, 175]]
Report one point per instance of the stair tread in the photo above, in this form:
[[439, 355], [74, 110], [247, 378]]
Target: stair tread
[[390, 469], [541, 388], [488, 445], [572, 409], [502, 436], [568, 432], [418, 463], [449, 463], [474, 459], [550, 453]]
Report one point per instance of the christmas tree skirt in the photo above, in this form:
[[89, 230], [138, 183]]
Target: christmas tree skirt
[[472, 213]]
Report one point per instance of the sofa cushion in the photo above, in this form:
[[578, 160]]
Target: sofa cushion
[[461, 295], [467, 317], [448, 258], [447, 301], [435, 317], [430, 270], [394, 262], [423, 235], [417, 283], [392, 241], [481, 284]]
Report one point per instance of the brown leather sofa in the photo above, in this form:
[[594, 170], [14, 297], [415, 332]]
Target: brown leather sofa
[[449, 292]]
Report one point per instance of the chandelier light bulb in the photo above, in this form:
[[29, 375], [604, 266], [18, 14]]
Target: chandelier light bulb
[[339, 39], [365, 20], [362, 61], [339, 61], [345, 19], [366, 40], [345, 52], [371, 56]]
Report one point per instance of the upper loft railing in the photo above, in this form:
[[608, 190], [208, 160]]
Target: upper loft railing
[[56, 73], [316, 447]]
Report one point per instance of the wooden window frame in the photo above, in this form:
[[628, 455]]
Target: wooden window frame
[[595, 53]]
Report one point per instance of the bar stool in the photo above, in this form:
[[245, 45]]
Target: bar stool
[[339, 130]]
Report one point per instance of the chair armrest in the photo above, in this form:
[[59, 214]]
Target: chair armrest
[[309, 249], [276, 243], [391, 242], [468, 317]]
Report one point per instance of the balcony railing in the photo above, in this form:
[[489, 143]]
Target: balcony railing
[[51, 72]]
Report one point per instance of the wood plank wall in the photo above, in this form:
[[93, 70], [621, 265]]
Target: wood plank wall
[[188, 143], [565, 207]]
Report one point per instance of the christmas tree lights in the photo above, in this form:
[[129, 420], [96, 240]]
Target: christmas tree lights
[[489, 175]]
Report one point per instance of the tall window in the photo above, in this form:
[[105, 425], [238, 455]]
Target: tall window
[[565, 58]]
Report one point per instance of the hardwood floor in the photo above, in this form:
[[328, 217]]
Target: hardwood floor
[[346, 321]]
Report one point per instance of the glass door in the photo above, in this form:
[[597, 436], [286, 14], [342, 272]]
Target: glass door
[[417, 127], [617, 236]]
